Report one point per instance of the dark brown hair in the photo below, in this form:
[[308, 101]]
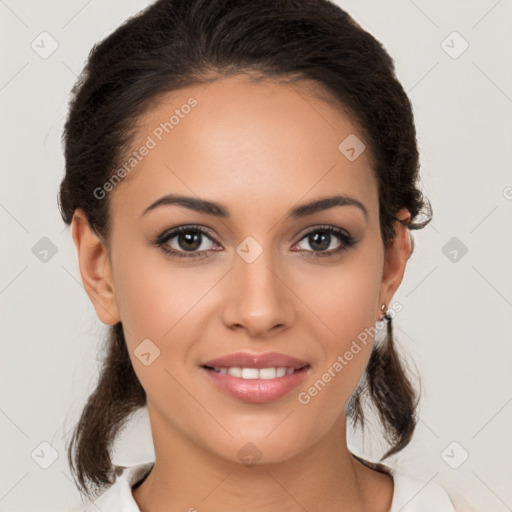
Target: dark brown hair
[[176, 43]]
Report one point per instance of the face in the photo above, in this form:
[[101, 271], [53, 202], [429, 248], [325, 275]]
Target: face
[[255, 279]]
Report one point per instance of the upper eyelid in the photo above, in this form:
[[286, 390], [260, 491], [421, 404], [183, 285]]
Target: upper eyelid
[[173, 232]]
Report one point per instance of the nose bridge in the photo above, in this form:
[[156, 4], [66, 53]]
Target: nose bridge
[[260, 300]]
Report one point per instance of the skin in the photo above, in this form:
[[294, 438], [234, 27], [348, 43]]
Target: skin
[[259, 149]]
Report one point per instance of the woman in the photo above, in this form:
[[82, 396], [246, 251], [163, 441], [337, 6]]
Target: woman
[[241, 182]]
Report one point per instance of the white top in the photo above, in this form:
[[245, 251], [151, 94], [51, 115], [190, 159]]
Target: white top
[[410, 494]]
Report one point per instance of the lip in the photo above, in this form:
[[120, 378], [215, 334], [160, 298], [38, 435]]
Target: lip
[[256, 390], [248, 360]]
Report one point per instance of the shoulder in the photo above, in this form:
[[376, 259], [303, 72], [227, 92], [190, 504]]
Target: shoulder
[[118, 497], [413, 494]]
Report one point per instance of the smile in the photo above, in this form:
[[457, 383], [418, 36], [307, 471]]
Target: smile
[[256, 385]]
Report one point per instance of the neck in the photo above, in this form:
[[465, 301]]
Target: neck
[[324, 477]]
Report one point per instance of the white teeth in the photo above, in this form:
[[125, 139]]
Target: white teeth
[[281, 372], [267, 373], [255, 373], [235, 371], [250, 373]]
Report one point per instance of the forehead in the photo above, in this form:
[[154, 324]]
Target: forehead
[[252, 143]]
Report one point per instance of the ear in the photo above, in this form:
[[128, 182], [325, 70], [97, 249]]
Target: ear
[[396, 254], [95, 269]]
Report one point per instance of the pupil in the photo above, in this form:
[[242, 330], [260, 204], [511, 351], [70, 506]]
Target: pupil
[[188, 238], [320, 238]]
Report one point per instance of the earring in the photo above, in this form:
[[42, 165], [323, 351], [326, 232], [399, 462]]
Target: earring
[[384, 315]]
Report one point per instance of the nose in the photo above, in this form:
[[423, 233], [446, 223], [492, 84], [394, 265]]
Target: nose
[[259, 299]]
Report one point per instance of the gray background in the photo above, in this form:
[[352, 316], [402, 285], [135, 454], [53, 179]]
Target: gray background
[[456, 321]]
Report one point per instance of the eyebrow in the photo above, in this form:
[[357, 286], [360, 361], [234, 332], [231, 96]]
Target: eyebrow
[[218, 210]]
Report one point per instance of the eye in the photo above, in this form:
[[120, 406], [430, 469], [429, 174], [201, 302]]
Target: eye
[[321, 239], [190, 242]]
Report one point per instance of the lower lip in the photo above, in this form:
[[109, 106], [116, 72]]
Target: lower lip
[[257, 390]]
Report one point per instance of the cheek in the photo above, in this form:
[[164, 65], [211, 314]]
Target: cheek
[[345, 356], [344, 298], [153, 294], [346, 311]]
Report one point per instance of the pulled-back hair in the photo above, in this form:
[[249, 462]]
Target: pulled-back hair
[[177, 43]]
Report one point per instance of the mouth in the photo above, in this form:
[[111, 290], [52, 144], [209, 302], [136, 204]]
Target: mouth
[[256, 378]]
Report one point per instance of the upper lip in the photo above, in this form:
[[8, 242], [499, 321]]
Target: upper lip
[[248, 360]]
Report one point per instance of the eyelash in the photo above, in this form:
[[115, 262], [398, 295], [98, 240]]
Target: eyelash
[[161, 241]]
